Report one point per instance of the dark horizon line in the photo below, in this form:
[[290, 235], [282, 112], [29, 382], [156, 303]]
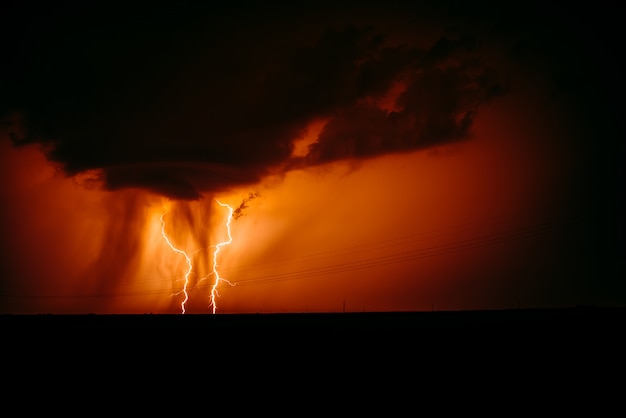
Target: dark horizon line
[[576, 307]]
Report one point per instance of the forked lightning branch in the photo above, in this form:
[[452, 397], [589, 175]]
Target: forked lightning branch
[[215, 272]]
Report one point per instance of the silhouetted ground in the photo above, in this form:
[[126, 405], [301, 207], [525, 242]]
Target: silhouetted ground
[[574, 321], [542, 344], [388, 357]]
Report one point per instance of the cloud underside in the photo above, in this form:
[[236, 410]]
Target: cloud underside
[[184, 115]]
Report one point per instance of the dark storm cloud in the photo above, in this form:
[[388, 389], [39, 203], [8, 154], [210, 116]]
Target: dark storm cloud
[[192, 100], [438, 106]]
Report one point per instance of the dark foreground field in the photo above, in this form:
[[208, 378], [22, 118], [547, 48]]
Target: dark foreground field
[[528, 341], [372, 356], [577, 321]]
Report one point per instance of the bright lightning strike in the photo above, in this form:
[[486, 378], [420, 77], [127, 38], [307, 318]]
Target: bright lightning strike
[[218, 279], [188, 260]]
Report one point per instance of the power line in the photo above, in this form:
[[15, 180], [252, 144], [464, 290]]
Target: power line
[[360, 264]]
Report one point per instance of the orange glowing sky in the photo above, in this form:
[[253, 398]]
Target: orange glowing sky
[[520, 210]]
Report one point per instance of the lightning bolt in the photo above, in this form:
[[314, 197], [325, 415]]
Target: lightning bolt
[[218, 279], [188, 260]]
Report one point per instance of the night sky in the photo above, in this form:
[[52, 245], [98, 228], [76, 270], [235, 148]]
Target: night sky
[[377, 156]]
